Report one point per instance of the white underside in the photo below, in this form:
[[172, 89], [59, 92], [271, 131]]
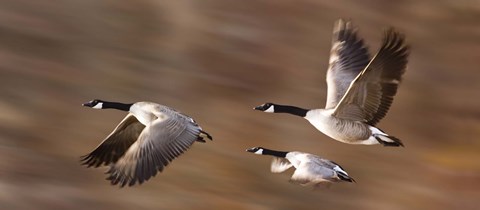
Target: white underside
[[370, 141], [305, 174], [322, 120]]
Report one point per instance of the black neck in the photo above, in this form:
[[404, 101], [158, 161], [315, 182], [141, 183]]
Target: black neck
[[116, 105], [274, 153], [290, 110]]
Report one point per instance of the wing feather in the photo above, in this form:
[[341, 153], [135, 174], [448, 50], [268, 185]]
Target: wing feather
[[372, 91], [116, 144], [280, 165], [160, 143], [348, 57]]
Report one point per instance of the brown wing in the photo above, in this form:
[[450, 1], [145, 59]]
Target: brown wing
[[348, 57], [116, 144], [160, 143], [371, 93]]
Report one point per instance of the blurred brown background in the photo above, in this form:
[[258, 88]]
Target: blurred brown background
[[215, 60]]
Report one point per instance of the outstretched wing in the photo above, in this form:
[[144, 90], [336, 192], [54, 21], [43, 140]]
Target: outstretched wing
[[165, 139], [280, 165], [116, 144], [348, 57], [371, 93]]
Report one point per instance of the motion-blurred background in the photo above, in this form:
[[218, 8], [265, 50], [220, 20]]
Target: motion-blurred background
[[215, 60]]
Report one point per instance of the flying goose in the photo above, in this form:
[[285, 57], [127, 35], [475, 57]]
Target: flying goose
[[360, 89], [145, 141], [309, 169]]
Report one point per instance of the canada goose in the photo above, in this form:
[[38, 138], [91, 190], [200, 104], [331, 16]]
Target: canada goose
[[145, 141], [309, 169], [360, 89]]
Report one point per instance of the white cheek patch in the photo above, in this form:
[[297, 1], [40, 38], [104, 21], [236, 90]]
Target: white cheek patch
[[259, 152], [270, 109], [98, 106]]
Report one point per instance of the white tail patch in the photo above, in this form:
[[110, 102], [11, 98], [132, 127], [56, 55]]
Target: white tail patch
[[337, 168], [385, 138], [377, 131]]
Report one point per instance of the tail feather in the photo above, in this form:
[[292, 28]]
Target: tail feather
[[345, 177], [384, 139], [388, 140]]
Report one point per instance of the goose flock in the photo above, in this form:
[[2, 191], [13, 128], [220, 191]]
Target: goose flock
[[360, 92]]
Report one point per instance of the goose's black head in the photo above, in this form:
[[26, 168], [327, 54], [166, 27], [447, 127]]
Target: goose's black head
[[96, 104], [99, 104], [267, 107], [256, 150]]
